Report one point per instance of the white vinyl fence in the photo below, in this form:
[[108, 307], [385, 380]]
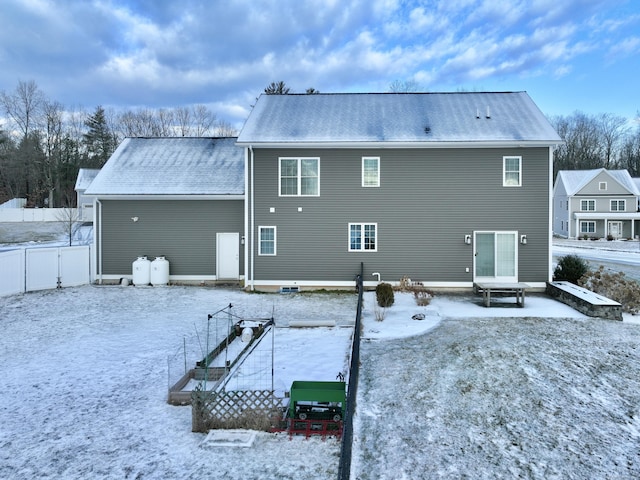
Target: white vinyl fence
[[30, 269]]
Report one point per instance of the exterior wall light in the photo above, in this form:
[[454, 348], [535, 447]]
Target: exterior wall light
[[523, 239], [467, 239]]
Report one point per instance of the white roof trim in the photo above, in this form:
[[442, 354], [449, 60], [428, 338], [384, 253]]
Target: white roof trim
[[167, 197], [608, 215], [470, 144]]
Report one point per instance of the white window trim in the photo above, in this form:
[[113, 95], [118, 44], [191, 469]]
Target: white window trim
[[299, 187], [602, 186], [362, 225], [377, 184], [275, 240], [588, 209], [504, 171], [513, 278], [587, 222], [624, 205]]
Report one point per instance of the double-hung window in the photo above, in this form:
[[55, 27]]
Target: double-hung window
[[363, 237], [370, 171], [618, 205], [512, 171], [266, 240], [588, 227], [587, 205], [299, 177]]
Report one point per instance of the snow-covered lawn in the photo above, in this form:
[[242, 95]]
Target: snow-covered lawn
[[544, 393], [83, 383], [539, 392]]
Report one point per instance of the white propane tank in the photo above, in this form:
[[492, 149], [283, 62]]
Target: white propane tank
[[141, 271], [159, 272], [247, 335]]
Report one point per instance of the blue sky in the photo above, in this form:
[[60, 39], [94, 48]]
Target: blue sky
[[567, 54]]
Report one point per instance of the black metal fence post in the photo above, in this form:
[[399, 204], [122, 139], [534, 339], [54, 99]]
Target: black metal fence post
[[344, 468]]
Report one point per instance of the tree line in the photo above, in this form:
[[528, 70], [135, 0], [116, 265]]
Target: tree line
[[596, 141], [43, 144]]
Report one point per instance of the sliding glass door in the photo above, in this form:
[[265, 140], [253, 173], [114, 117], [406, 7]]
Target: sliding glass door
[[496, 256]]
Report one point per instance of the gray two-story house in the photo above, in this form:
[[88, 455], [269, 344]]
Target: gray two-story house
[[444, 188], [596, 203]]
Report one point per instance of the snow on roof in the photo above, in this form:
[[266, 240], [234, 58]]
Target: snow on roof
[[172, 166], [576, 180], [85, 177], [397, 117]]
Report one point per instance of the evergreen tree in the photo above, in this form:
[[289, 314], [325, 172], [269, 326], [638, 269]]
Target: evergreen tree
[[99, 141], [277, 88]]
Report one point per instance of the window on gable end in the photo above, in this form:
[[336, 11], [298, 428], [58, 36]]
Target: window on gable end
[[370, 171], [512, 171]]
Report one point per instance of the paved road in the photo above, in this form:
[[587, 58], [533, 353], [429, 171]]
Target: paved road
[[628, 263]]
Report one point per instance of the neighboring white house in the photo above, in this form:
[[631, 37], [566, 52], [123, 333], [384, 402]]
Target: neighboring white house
[[596, 203], [85, 202]]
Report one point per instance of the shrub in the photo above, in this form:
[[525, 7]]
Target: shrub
[[610, 237], [379, 313], [570, 268], [615, 286], [423, 297], [384, 295]]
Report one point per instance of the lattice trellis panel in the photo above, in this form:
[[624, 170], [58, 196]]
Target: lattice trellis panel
[[252, 409]]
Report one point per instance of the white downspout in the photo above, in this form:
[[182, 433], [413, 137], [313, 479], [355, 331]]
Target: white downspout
[[97, 240], [550, 227], [252, 220], [245, 208]]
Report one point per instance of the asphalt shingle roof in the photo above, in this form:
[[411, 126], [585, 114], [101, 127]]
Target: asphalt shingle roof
[[172, 166], [576, 180], [422, 118]]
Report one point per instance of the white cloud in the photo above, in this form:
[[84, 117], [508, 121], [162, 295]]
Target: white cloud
[[204, 52], [627, 47]]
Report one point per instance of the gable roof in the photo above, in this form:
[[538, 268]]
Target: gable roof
[[85, 177], [172, 166], [576, 180], [417, 119]]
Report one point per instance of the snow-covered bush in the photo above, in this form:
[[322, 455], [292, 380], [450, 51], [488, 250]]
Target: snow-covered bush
[[379, 313], [615, 286], [570, 268], [423, 297], [384, 295]]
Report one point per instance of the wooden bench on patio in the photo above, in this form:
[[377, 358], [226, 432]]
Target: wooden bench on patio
[[487, 289]]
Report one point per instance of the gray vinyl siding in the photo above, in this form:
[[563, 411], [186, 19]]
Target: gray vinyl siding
[[183, 231], [428, 200]]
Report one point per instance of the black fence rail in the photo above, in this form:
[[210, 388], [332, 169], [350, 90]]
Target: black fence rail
[[344, 468]]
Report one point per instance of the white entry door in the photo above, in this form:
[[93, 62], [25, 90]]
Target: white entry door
[[228, 256], [615, 229]]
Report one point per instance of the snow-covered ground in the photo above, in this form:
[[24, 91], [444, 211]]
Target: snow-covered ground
[[83, 383], [615, 256], [467, 392], [539, 392]]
